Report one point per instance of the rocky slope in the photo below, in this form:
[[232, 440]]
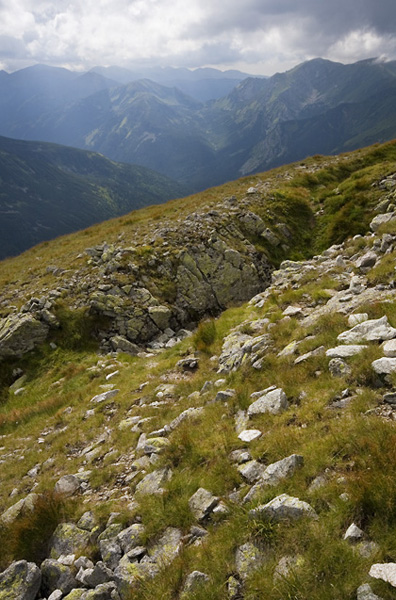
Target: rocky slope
[[253, 458]]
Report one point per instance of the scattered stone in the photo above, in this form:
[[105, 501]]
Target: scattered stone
[[381, 220], [249, 435], [384, 366], [284, 507], [304, 357], [287, 566], [202, 504], [251, 471], [373, 330], [389, 348], [357, 318], [120, 344], [339, 368], [364, 592], [69, 539], [273, 402], [234, 588], [20, 333], [131, 537], [152, 483], [188, 364], [194, 581], [56, 576], [353, 534], [23, 507], [366, 261], [104, 396], [292, 311], [274, 473], [67, 486]]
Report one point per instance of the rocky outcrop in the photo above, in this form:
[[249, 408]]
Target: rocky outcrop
[[19, 334]]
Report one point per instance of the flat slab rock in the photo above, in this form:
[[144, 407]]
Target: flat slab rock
[[345, 351], [373, 330], [284, 507]]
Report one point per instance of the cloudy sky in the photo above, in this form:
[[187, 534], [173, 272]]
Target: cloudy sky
[[257, 36]]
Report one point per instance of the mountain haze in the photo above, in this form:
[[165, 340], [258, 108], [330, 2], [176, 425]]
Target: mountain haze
[[47, 190], [317, 107]]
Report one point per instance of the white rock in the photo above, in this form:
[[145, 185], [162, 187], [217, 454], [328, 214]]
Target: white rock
[[384, 366], [292, 311], [104, 396], [389, 348], [357, 318], [353, 533], [345, 351], [248, 435], [373, 330], [384, 571]]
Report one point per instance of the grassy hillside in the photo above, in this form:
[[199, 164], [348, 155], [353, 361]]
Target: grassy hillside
[[48, 190], [336, 416]]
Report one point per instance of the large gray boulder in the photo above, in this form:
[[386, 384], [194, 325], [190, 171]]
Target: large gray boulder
[[21, 581], [20, 333], [56, 576], [69, 539]]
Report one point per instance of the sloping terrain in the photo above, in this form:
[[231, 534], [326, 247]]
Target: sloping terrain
[[48, 190], [251, 457]]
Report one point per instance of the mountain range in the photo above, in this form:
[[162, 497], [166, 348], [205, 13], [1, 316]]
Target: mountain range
[[317, 107], [48, 190]]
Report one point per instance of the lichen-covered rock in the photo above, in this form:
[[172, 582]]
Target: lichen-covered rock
[[56, 576], [161, 315], [21, 581], [21, 508], [194, 581], [69, 539], [20, 333], [131, 537], [248, 558], [119, 343], [128, 574]]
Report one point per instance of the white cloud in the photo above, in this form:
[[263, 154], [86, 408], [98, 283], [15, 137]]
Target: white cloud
[[262, 35]]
